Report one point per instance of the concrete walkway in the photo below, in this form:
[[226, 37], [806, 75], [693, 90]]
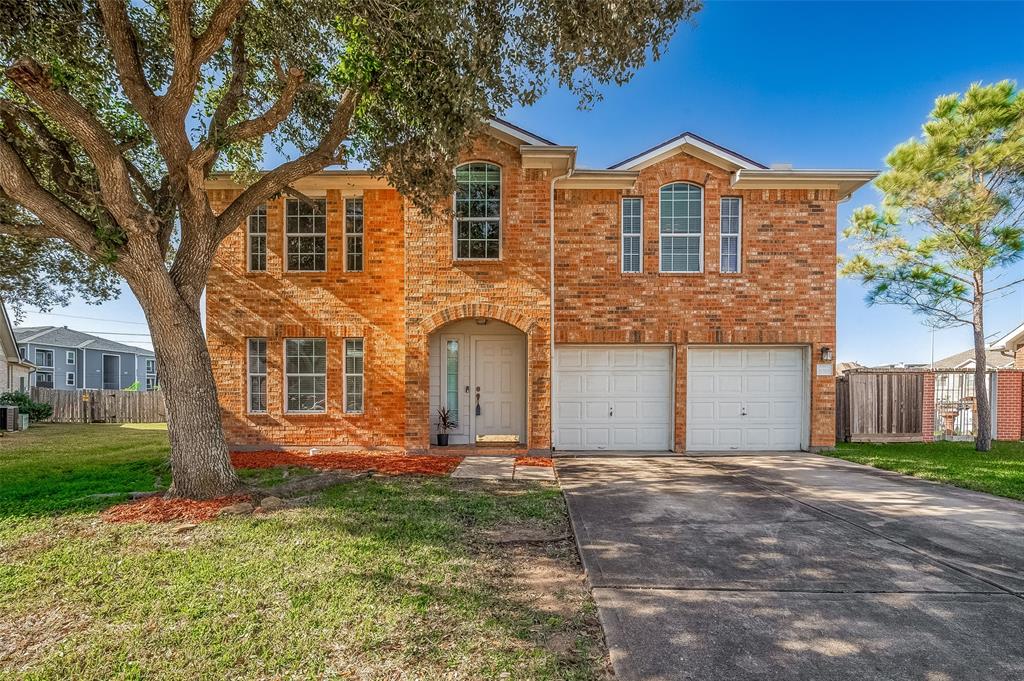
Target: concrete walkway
[[501, 468], [797, 567]]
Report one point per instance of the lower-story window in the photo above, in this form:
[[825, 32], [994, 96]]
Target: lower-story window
[[44, 379], [353, 375], [305, 366], [257, 374]]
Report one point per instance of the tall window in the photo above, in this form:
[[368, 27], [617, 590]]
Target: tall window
[[353, 374], [257, 231], [69, 377], [682, 227], [44, 358], [452, 378], [632, 234], [478, 211], [306, 235], [69, 356], [354, 235], [305, 367], [257, 374], [150, 366], [731, 228]]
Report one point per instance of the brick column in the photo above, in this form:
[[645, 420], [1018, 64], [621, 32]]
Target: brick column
[[1009, 384], [928, 407]]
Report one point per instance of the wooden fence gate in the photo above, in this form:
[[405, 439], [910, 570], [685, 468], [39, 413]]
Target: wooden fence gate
[[102, 406], [880, 406]]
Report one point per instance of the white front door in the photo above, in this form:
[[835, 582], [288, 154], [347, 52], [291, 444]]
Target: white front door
[[613, 397], [746, 398], [499, 393]]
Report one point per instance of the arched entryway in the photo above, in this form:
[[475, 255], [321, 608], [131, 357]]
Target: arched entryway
[[478, 370]]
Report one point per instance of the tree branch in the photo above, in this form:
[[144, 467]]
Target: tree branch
[[124, 46], [207, 44], [17, 180], [285, 174], [111, 167]]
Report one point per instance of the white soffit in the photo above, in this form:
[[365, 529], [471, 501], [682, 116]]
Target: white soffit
[[695, 146], [845, 182]]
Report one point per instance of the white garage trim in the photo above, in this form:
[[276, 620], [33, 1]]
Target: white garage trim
[[748, 398], [613, 397]]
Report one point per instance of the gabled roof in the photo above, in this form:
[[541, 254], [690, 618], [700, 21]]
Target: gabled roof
[[1011, 340], [8, 343], [63, 337], [693, 144], [993, 359], [520, 136]]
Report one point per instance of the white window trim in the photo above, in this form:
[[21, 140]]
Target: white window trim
[[284, 383], [148, 372], [738, 235], [622, 235], [346, 374], [703, 212], [40, 364], [69, 357], [249, 374], [284, 238], [361, 235], [248, 241], [69, 375], [501, 212]]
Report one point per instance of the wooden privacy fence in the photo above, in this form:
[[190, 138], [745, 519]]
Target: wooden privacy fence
[[103, 406], [882, 406]]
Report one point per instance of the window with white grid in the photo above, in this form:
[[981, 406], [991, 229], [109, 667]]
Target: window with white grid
[[257, 375], [353, 375], [731, 229], [681, 225], [305, 367], [354, 235], [478, 211], [632, 234], [306, 235], [257, 234]]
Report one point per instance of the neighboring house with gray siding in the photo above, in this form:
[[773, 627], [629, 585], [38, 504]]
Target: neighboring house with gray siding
[[71, 360], [15, 372]]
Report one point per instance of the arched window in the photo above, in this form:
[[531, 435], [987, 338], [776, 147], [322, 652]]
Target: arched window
[[682, 227], [478, 210]]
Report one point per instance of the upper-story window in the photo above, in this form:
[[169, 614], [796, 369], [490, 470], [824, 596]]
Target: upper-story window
[[257, 239], [69, 356], [682, 227], [478, 211], [354, 235], [44, 358], [306, 235], [632, 234], [150, 366], [731, 227]]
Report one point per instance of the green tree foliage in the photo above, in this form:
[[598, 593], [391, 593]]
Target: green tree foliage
[[37, 411], [951, 219], [114, 114]]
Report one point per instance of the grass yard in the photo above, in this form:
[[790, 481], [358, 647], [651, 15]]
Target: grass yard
[[1000, 471], [386, 577]]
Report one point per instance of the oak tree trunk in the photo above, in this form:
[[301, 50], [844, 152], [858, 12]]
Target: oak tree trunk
[[983, 438], [200, 464]]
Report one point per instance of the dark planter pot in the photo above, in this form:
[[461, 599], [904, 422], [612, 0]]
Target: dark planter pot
[[442, 439]]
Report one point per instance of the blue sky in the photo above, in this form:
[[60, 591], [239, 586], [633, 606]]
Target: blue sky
[[818, 85]]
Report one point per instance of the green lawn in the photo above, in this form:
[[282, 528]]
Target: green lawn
[[1000, 471], [382, 578]]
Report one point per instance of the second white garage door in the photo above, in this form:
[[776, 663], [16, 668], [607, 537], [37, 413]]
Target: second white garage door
[[613, 397], [745, 398]]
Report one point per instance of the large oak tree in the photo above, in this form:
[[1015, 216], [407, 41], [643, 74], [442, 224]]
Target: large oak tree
[[113, 115]]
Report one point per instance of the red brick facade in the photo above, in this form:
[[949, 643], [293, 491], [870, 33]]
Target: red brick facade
[[411, 286]]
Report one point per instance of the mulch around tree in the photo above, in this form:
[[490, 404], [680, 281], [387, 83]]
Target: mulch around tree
[[538, 461], [388, 464], [156, 509]]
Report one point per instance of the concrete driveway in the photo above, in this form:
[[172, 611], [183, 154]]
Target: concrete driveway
[[797, 567]]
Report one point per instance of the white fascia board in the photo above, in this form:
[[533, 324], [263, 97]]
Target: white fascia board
[[555, 158], [600, 179], [709, 151], [1011, 339], [518, 133], [843, 181]]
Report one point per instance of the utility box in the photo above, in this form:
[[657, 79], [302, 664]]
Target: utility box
[[9, 418], [23, 418]]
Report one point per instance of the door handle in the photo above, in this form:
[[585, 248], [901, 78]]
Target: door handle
[[743, 411], [611, 411]]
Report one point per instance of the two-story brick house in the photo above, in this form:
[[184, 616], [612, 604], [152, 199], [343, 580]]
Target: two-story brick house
[[693, 309]]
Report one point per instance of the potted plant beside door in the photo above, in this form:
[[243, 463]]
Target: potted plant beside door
[[445, 423]]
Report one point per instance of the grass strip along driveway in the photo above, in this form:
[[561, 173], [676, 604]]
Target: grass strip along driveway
[[385, 577], [1000, 471]]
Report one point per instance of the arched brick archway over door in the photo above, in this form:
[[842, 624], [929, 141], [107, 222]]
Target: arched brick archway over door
[[538, 411]]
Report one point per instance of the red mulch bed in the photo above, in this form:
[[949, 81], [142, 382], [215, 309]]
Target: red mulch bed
[[160, 510], [539, 461], [389, 464]]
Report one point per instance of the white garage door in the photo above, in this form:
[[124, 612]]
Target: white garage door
[[613, 397], [745, 398]]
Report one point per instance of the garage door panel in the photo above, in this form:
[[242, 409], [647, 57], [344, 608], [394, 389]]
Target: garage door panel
[[745, 398], [621, 397]]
